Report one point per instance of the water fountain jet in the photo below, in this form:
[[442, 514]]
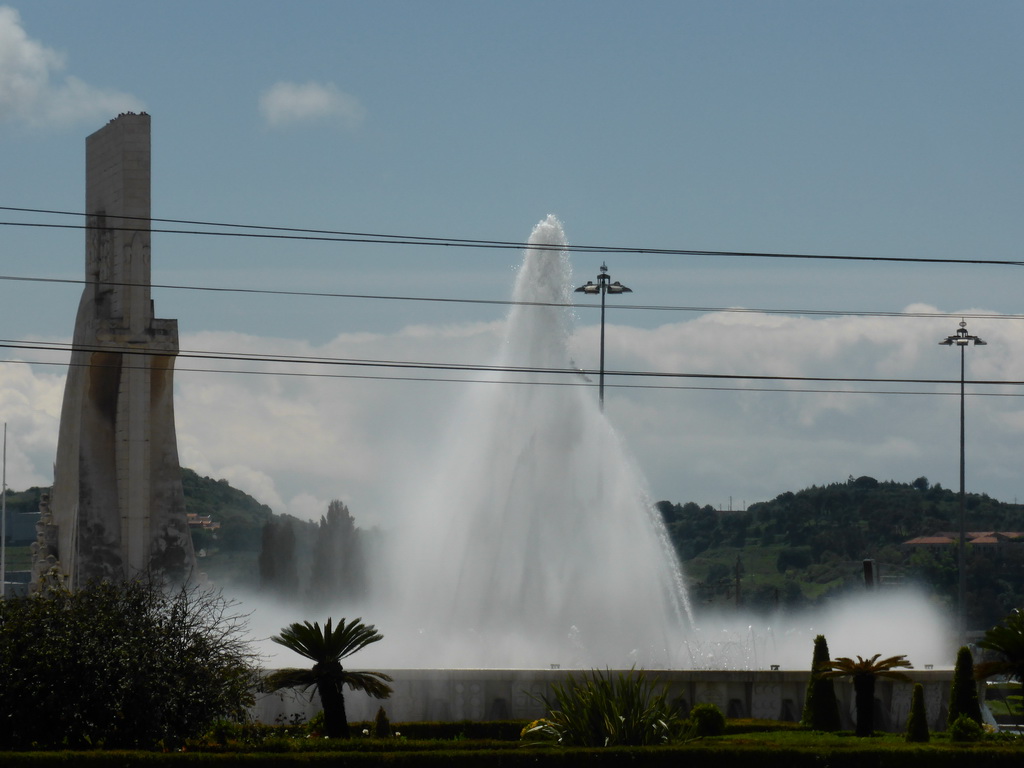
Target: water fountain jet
[[538, 544]]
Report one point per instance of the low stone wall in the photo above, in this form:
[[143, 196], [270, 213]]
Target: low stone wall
[[504, 694]]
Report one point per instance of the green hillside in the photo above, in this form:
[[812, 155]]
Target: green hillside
[[799, 549], [802, 547], [228, 554], [230, 551]]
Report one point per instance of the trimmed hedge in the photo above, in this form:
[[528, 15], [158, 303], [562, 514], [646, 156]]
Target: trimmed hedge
[[765, 744], [703, 755], [499, 730]]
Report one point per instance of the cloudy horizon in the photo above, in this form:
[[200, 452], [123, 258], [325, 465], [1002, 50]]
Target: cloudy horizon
[[295, 442], [667, 140]]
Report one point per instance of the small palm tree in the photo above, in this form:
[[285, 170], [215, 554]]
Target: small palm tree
[[864, 673], [1007, 641], [326, 648]]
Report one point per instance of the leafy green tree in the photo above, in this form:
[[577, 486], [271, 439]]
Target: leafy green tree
[[864, 673], [821, 710], [963, 694], [917, 722], [326, 647], [338, 568], [120, 664], [797, 558], [278, 572]]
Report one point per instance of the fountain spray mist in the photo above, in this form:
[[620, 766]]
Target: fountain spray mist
[[537, 544]]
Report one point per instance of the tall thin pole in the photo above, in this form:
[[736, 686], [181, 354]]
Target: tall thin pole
[[600, 379], [604, 286], [962, 543], [3, 528], [962, 339]]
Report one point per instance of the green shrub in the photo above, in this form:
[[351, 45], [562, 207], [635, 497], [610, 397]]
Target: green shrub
[[316, 724], [965, 729], [963, 693], [821, 709], [917, 723], [707, 720], [381, 724], [601, 710], [121, 665]]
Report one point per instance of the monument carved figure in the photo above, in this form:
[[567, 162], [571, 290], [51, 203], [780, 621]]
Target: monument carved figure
[[117, 509]]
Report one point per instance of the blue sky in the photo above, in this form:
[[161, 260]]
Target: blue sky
[[861, 129]]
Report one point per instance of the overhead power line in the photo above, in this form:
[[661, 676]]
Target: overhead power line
[[326, 235], [531, 382], [299, 360], [510, 303]]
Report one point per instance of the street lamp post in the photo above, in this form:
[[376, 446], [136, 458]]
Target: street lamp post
[[962, 339], [603, 286]]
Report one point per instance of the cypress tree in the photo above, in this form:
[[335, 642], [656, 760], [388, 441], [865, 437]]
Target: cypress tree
[[963, 695], [267, 561], [381, 724], [917, 723], [278, 574], [821, 710]]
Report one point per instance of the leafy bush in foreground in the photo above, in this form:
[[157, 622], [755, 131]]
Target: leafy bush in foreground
[[917, 722], [601, 710], [707, 720], [965, 729], [123, 664]]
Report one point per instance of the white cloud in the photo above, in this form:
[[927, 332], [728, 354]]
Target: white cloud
[[32, 94], [30, 402], [287, 104], [296, 442]]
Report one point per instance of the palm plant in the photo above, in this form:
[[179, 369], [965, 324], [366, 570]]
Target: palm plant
[[864, 673], [326, 648], [603, 709], [1007, 641]]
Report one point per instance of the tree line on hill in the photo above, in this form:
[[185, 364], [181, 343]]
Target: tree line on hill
[[799, 549], [822, 534], [317, 561], [250, 547]]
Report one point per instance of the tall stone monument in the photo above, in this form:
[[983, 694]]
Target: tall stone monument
[[117, 509]]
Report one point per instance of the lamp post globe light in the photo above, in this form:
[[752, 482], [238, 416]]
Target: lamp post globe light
[[962, 339], [603, 286]]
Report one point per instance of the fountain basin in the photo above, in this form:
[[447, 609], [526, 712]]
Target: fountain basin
[[509, 694]]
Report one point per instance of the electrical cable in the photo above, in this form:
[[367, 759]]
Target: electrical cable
[[511, 303], [335, 235], [454, 367], [324, 235]]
